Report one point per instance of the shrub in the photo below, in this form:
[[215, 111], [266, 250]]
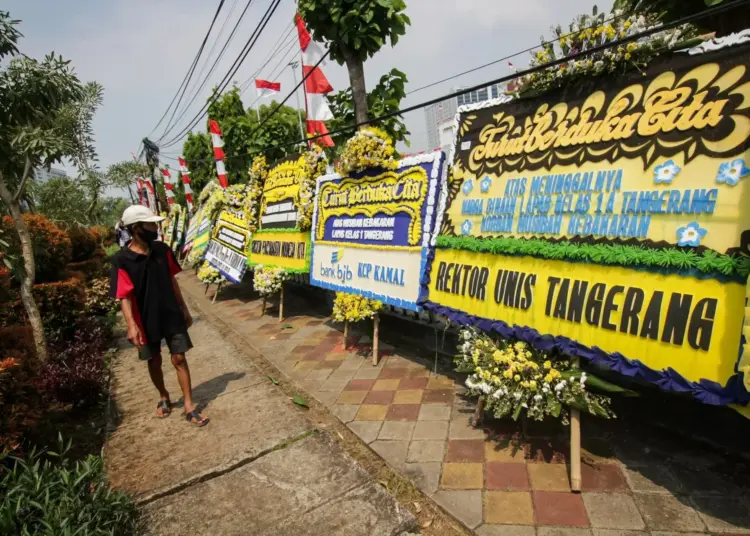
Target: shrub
[[60, 304], [105, 236], [52, 247], [75, 372], [98, 301], [46, 493], [83, 243], [90, 268]]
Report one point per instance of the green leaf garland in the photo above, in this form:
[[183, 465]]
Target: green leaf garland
[[677, 259]]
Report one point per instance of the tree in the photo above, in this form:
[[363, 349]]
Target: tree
[[355, 30], [36, 98], [199, 157], [242, 139], [385, 98], [122, 175]]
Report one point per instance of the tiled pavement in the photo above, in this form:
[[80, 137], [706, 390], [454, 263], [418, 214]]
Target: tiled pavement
[[490, 479]]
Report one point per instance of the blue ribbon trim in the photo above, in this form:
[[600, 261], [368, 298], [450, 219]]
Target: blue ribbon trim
[[706, 391]]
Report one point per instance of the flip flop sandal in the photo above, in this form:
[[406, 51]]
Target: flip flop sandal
[[196, 419], [166, 408]]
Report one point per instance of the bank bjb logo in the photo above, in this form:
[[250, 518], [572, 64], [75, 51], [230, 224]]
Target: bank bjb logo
[[341, 273]]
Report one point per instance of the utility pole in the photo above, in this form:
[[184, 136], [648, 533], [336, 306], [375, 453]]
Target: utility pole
[[294, 65], [152, 160]]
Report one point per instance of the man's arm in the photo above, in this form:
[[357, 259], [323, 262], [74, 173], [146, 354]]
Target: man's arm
[[181, 301], [134, 332]]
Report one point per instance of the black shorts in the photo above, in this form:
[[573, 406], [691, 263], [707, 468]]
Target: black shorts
[[179, 343]]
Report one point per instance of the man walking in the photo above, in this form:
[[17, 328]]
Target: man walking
[[143, 280]]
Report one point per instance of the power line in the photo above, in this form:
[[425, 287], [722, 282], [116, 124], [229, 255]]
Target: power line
[[531, 70], [232, 71], [191, 69], [515, 54], [210, 72], [277, 70], [284, 36]]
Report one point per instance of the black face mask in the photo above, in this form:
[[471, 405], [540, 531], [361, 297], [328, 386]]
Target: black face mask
[[148, 236]]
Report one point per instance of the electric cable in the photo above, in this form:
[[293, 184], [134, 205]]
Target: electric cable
[[210, 72], [232, 71], [191, 69]]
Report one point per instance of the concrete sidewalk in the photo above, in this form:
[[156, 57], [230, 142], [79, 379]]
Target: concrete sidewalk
[[260, 467]]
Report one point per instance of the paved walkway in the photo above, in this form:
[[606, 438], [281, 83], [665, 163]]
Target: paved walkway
[[261, 467], [492, 480]]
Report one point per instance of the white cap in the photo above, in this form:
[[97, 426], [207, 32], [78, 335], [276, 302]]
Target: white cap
[[139, 214]]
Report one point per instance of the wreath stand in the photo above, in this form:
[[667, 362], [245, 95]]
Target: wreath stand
[[375, 338], [216, 294], [575, 444], [281, 303]]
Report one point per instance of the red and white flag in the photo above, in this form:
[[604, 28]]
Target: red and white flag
[[186, 183], [266, 88], [168, 185], [316, 84], [218, 144]]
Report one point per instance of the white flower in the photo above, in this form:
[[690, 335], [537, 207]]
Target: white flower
[[485, 388], [517, 395], [498, 393], [537, 398], [545, 390], [470, 384], [560, 386], [583, 378], [466, 348], [525, 405]]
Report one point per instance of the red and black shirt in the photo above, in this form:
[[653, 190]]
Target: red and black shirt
[[147, 280]]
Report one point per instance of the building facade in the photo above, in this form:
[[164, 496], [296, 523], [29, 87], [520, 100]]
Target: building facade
[[439, 117], [45, 175]]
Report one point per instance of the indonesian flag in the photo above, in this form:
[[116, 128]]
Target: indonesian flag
[[316, 84], [218, 144], [186, 183], [168, 185], [266, 88]]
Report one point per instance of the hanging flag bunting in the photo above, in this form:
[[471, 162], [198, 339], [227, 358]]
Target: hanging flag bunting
[[142, 199], [218, 144], [168, 184], [316, 84], [186, 183], [266, 88]]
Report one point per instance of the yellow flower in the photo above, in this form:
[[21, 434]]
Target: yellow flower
[[532, 385], [627, 55], [547, 365], [548, 378], [517, 378], [508, 374], [631, 47]]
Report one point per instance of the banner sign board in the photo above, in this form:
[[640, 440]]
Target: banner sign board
[[371, 233], [192, 229], [605, 220], [227, 250], [278, 241]]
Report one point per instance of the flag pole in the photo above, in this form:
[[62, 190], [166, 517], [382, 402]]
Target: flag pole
[[294, 65]]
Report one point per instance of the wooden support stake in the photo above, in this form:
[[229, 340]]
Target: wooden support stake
[[281, 303], [206, 290], [575, 445], [218, 288], [375, 337], [346, 333], [263, 310]]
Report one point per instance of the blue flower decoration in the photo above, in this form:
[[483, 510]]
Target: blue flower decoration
[[485, 185], [468, 186], [690, 235], [666, 172], [732, 172], [466, 228]]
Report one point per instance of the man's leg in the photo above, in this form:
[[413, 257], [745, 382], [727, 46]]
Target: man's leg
[[183, 377], [157, 375]]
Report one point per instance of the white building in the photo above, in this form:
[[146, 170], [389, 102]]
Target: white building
[[44, 175], [440, 116]]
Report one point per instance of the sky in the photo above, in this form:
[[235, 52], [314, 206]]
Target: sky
[[140, 50]]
